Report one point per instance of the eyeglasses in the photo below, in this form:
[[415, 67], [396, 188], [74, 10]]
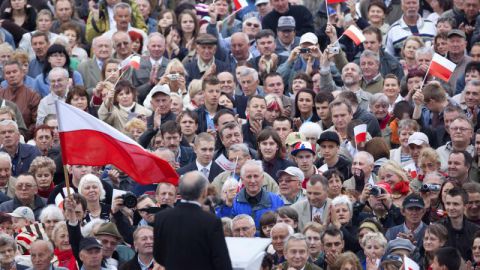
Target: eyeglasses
[[25, 186], [249, 24], [461, 129], [119, 44]]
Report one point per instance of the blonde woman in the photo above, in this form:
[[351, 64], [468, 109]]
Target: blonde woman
[[175, 77], [135, 128], [392, 173], [195, 95]]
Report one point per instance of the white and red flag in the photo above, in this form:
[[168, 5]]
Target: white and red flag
[[131, 61], [329, 2], [355, 34], [441, 67], [239, 4], [87, 140], [360, 132], [410, 264]]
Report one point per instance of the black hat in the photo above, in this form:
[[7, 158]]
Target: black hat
[[206, 39], [456, 32], [89, 243], [329, 136], [413, 200]]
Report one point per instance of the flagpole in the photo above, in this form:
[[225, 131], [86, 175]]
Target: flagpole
[[67, 179], [65, 171], [326, 8], [426, 75]]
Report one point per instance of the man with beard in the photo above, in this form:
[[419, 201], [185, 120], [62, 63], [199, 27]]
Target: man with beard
[[351, 77], [410, 24]]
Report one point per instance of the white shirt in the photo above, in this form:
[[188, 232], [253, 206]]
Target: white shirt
[[318, 211], [200, 166], [156, 62]]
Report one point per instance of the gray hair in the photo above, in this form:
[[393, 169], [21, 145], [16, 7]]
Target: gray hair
[[244, 216], [6, 157], [475, 83], [370, 54], [378, 98], [424, 50], [249, 71], [192, 190], [434, 174], [231, 182], [87, 230], [91, 178], [368, 157], [376, 237], [8, 122], [357, 67], [408, 123], [7, 240], [253, 163], [243, 35], [310, 128], [294, 237], [343, 199], [99, 38], [49, 245], [227, 223], [155, 34], [58, 69], [289, 228], [51, 212], [120, 33], [122, 5], [239, 147]]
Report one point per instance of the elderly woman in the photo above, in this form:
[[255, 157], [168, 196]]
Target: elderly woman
[[135, 128], [50, 216], [312, 232], [120, 105], [392, 173], [43, 168], [91, 188], [311, 131], [379, 104], [341, 213], [435, 237], [229, 191], [428, 162], [401, 154], [8, 249], [63, 249], [274, 107], [374, 245]]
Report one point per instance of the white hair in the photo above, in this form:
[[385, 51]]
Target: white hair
[[6, 157], [249, 71], [231, 182], [244, 216], [122, 5], [87, 229], [253, 163], [282, 225], [368, 157], [91, 178], [51, 212], [310, 128], [343, 199], [63, 71], [8, 122]]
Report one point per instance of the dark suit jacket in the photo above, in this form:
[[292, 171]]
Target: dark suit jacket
[[141, 77], [214, 170], [186, 237], [202, 120], [194, 72]]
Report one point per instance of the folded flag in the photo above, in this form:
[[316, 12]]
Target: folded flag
[[411, 170], [131, 61], [87, 140], [355, 34], [360, 132], [441, 67], [239, 4]]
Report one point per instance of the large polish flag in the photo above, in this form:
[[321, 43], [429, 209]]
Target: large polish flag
[[441, 67], [355, 34], [239, 4], [87, 140]]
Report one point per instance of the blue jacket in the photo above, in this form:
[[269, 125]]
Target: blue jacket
[[268, 202]]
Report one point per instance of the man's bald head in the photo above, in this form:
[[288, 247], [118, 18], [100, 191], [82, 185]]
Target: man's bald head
[[193, 186]]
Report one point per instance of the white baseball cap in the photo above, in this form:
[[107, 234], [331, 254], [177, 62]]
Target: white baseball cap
[[23, 212], [159, 88], [292, 171], [418, 138], [309, 37]]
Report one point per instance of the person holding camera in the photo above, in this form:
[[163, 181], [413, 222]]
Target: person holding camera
[[430, 192], [379, 198], [413, 229]]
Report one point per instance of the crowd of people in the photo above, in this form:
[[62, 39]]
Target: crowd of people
[[256, 104]]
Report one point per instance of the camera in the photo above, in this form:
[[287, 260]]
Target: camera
[[430, 187], [129, 200], [172, 77], [304, 50], [334, 50], [376, 191]]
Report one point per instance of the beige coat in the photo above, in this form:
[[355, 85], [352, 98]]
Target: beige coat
[[304, 210], [117, 117]]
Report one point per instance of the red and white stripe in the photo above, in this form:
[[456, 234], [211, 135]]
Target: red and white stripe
[[131, 61], [329, 2], [441, 67], [360, 132], [355, 34], [87, 140], [239, 4]]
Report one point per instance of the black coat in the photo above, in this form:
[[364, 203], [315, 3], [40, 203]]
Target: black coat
[[192, 166], [462, 239], [202, 120], [187, 237]]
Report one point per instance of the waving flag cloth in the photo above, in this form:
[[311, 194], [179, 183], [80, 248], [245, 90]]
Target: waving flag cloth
[[441, 67], [131, 61], [355, 34], [239, 4], [89, 141], [329, 2], [360, 133]]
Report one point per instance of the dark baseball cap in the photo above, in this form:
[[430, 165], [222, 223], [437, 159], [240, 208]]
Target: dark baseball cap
[[89, 243], [413, 200], [329, 136], [456, 32]]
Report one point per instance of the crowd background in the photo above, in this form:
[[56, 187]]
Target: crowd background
[[261, 101]]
